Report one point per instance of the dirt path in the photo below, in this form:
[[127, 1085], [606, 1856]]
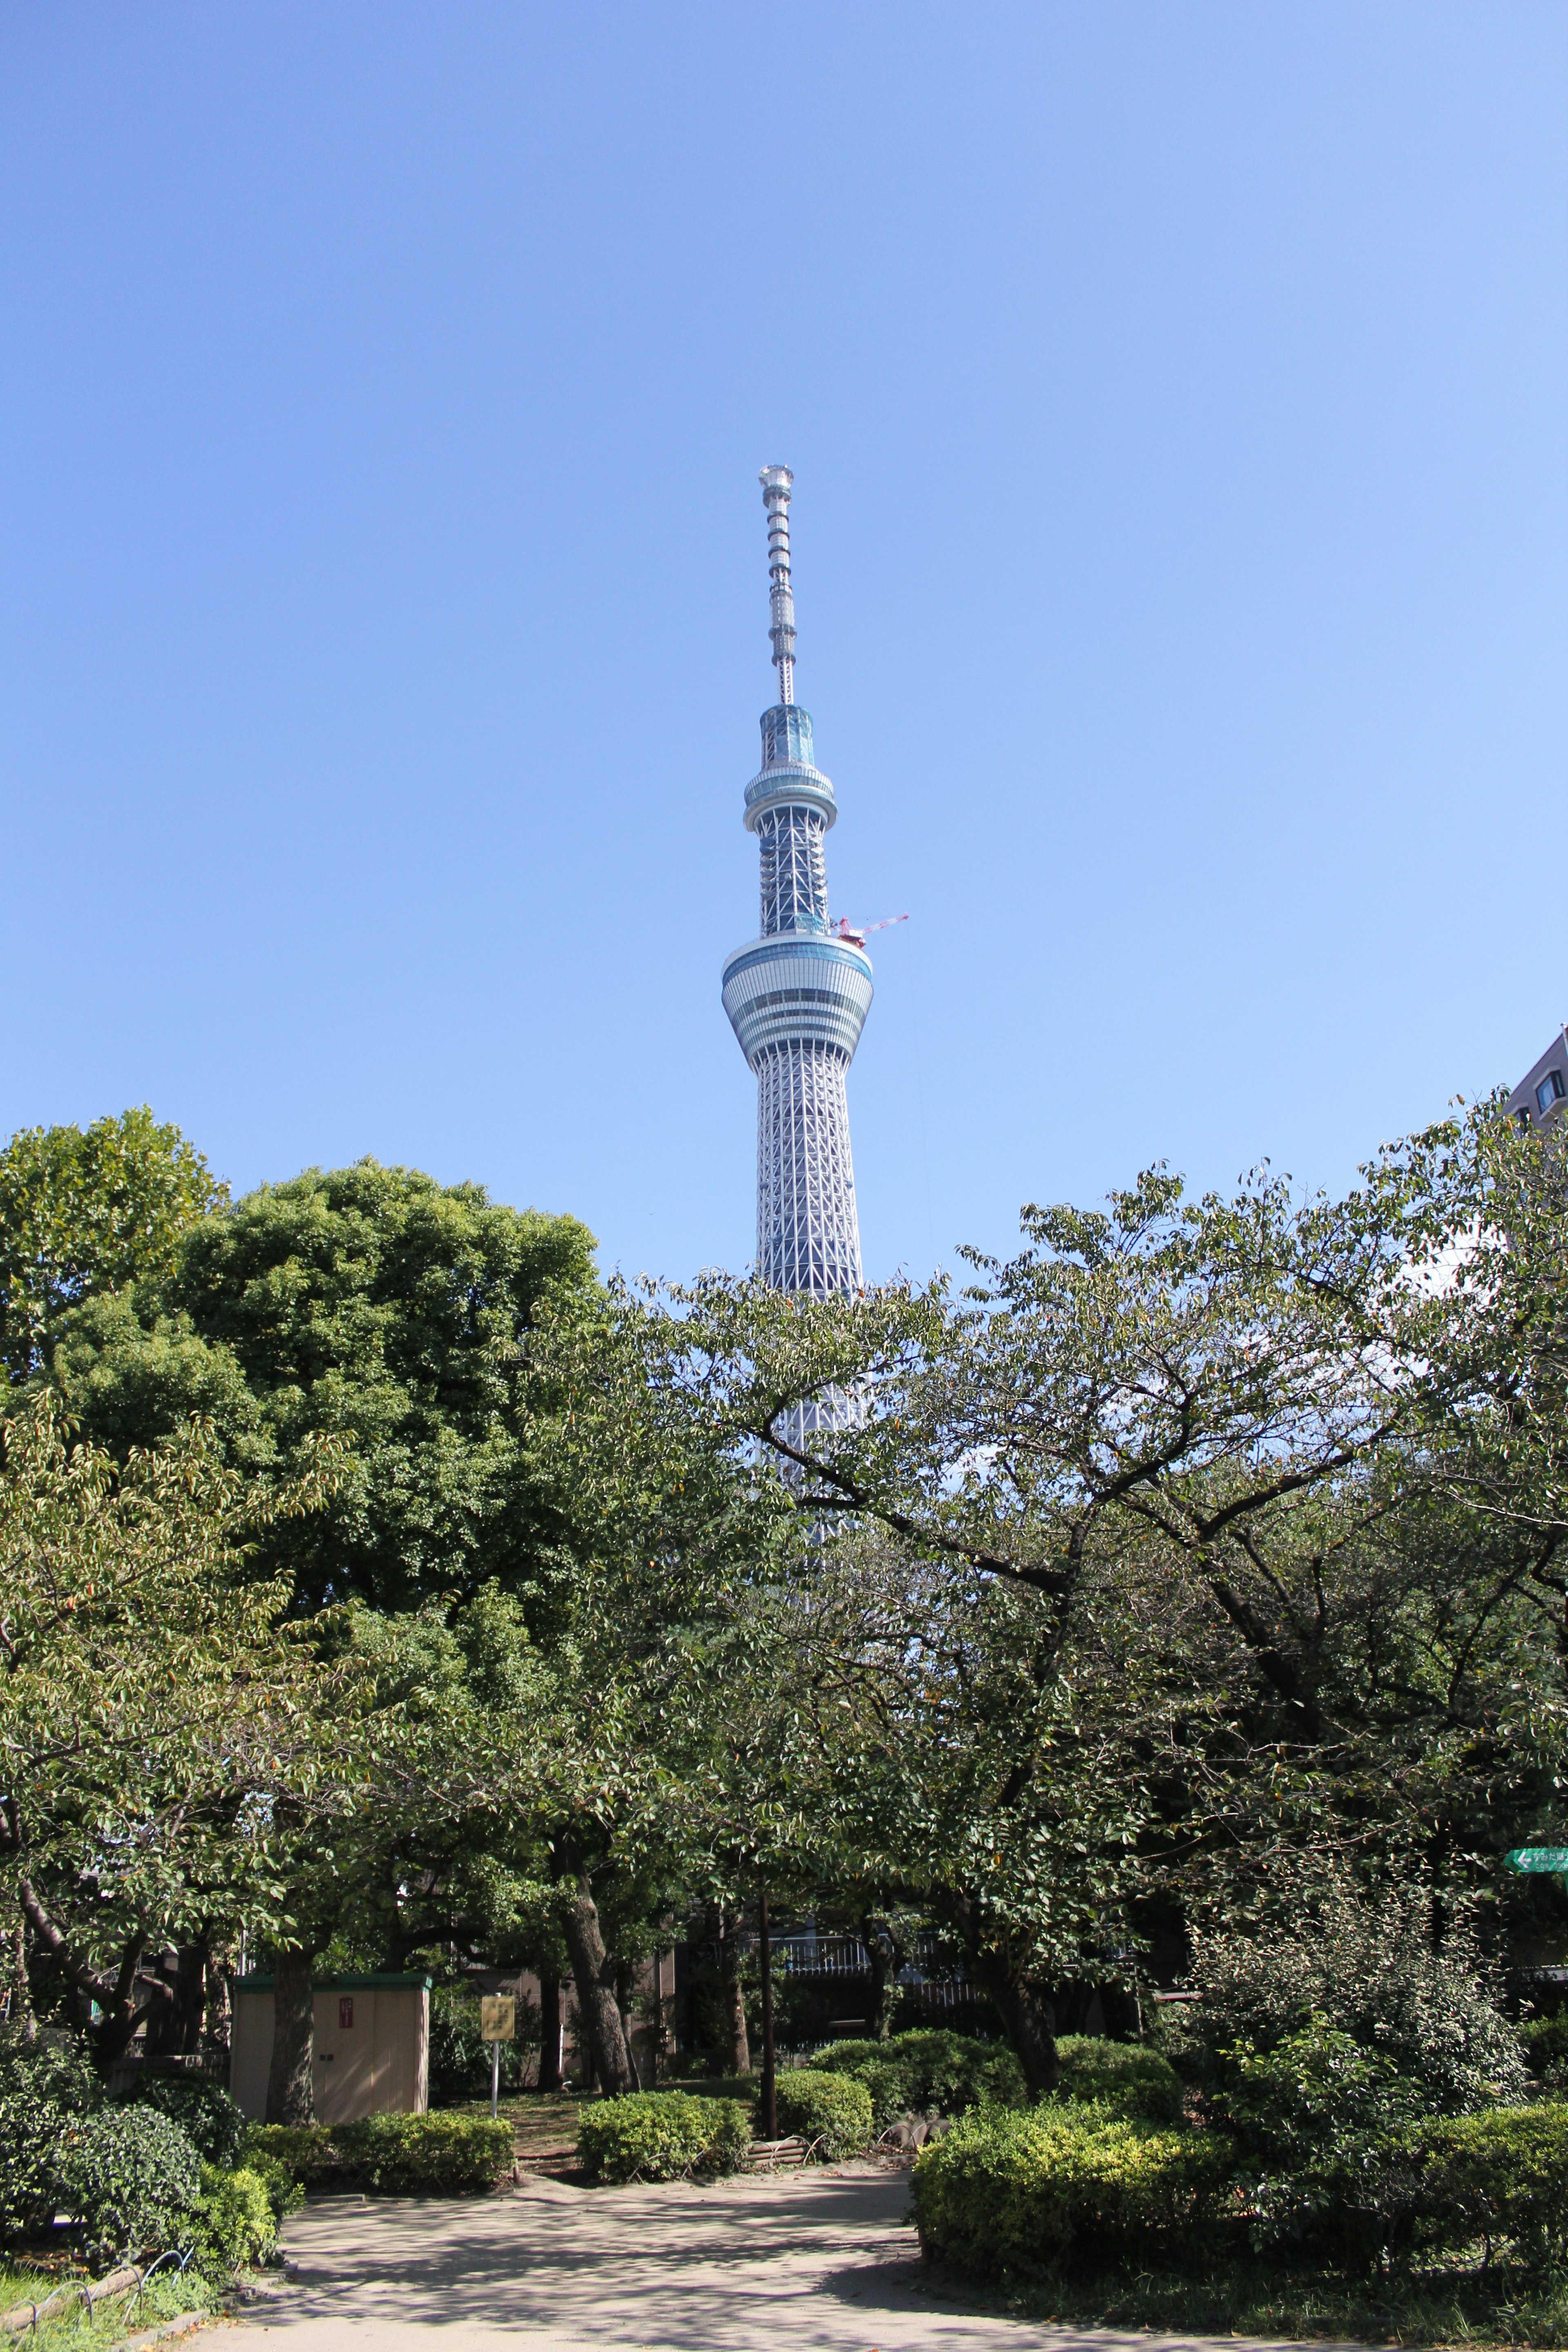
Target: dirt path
[[802, 2262]]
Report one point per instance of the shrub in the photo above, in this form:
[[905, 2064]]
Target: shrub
[[403, 2156], [1545, 2041], [46, 2086], [203, 2109], [232, 2222], [284, 2194], [1369, 1970], [304, 2151], [1122, 2077], [1058, 2186], [1504, 2175], [832, 2109], [427, 2156], [130, 2175], [661, 2135], [1321, 2127], [929, 2068]]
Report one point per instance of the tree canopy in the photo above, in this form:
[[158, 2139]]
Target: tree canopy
[[376, 1306], [86, 1212]]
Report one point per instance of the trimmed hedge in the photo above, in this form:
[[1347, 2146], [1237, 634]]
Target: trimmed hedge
[[304, 2151], [1058, 2187], [1498, 2175], [1125, 2077], [399, 2155], [661, 2135], [835, 2110], [930, 2068], [1064, 2187]]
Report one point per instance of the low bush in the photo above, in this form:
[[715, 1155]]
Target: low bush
[[1321, 2127], [661, 2135], [284, 2193], [400, 2155], [930, 2068], [1121, 2076], [1545, 2041], [1503, 2176], [831, 2110], [425, 2155], [1060, 2187], [231, 2225], [47, 2084], [304, 2151], [129, 2175], [203, 2109]]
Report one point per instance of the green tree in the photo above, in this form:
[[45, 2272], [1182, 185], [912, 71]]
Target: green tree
[[380, 1307], [86, 1212], [1199, 1543], [156, 1708]]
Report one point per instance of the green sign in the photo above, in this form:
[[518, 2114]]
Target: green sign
[[1538, 1857]]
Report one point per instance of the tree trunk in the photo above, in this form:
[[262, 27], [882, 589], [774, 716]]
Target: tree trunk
[[175, 2023], [549, 2033], [738, 2056], [767, 2104], [594, 1974], [291, 2087], [23, 2024], [1028, 2021], [621, 1979]]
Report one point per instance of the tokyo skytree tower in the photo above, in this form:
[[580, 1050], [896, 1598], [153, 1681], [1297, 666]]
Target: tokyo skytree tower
[[798, 996]]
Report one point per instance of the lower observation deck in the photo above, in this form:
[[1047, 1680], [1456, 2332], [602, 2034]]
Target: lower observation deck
[[798, 987]]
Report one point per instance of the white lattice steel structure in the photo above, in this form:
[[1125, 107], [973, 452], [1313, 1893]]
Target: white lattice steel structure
[[798, 994]]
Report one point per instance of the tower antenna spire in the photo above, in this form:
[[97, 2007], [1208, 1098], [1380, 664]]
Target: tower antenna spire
[[798, 995], [778, 481]]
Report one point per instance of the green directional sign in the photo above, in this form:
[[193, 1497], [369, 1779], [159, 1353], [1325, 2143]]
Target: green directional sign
[[1538, 1857]]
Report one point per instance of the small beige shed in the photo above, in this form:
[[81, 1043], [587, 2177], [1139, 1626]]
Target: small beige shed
[[373, 2046]]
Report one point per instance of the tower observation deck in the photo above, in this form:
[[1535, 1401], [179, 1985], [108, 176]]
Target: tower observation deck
[[798, 995]]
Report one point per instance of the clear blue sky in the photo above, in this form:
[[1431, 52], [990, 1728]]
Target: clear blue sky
[[1176, 398]]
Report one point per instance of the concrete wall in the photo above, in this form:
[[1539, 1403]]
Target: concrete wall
[[373, 2049]]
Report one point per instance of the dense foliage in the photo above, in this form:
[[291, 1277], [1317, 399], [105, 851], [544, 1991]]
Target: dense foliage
[[1187, 1590], [44, 2084], [153, 1702], [832, 2113], [130, 2176], [231, 2222], [662, 2136], [85, 1213], [396, 2156], [203, 2109], [928, 2071], [1121, 2078], [1064, 2185], [380, 1309]]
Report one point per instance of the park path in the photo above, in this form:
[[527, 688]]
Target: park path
[[813, 2262]]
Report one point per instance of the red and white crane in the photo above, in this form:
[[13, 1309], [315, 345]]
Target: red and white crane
[[859, 933]]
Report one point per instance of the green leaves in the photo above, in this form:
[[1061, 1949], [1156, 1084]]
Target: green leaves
[[84, 1213], [154, 1706]]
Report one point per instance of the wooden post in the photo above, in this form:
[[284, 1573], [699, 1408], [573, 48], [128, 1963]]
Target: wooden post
[[768, 2104]]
